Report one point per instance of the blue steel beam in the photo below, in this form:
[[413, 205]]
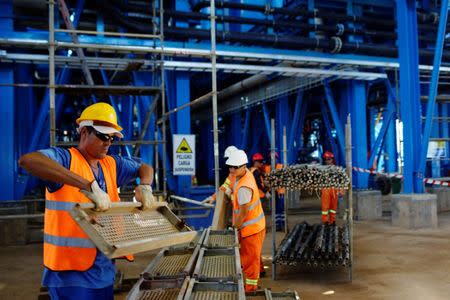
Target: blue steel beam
[[391, 137], [283, 119], [334, 115], [433, 91], [294, 127], [356, 99], [409, 92], [235, 136], [266, 119], [326, 120], [183, 122], [388, 117], [248, 114]]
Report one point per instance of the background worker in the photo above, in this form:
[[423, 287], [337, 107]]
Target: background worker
[[227, 186], [279, 201], [258, 170], [73, 266], [248, 218], [329, 196]]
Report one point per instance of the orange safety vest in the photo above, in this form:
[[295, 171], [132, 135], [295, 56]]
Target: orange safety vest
[[254, 221], [66, 246], [261, 193]]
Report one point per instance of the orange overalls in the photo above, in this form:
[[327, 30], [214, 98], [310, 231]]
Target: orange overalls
[[329, 205], [251, 232]]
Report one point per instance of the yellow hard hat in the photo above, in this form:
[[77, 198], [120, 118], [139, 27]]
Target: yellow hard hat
[[101, 112]]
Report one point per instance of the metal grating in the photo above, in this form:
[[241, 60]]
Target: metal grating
[[221, 240], [172, 265], [159, 294], [219, 266], [132, 226], [214, 295]]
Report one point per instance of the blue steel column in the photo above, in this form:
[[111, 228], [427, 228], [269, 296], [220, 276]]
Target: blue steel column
[[234, 137], [409, 92], [432, 95], [183, 121], [391, 135], [356, 98], [9, 168], [283, 119], [294, 128]]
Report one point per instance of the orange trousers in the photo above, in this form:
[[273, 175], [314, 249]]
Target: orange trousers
[[329, 205], [250, 251]]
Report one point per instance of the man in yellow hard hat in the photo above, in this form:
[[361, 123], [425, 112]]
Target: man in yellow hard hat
[[74, 268]]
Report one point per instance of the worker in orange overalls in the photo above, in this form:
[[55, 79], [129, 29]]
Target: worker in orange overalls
[[227, 186], [248, 218], [329, 195]]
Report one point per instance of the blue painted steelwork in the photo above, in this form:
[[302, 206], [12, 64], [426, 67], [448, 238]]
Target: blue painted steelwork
[[356, 99], [391, 136], [409, 93], [283, 119], [294, 128], [432, 95], [244, 143], [266, 119], [326, 120], [444, 128], [388, 117], [234, 136], [334, 115]]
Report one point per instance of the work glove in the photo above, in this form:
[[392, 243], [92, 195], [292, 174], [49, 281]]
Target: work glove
[[228, 192], [143, 194], [208, 200], [98, 196], [268, 195]]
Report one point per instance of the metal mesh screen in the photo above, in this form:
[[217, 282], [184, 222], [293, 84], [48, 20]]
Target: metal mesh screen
[[172, 264], [213, 295], [218, 266], [159, 294], [221, 240], [123, 227]]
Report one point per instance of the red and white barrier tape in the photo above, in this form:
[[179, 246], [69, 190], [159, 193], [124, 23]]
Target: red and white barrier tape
[[394, 175]]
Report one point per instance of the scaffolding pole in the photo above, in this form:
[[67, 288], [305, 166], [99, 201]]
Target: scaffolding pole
[[51, 67], [348, 159], [273, 191]]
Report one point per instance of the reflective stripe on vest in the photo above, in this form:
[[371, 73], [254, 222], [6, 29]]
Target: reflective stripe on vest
[[251, 281], [66, 245], [68, 242], [253, 221], [59, 205], [251, 207]]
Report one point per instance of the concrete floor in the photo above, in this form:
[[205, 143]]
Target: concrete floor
[[389, 263]]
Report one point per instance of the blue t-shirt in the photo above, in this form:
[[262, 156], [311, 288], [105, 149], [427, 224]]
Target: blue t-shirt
[[102, 272]]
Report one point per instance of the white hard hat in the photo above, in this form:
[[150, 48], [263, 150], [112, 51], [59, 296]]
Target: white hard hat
[[228, 151], [237, 158]]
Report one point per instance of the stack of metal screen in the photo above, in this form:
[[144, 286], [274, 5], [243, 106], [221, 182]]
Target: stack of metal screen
[[210, 269], [125, 229], [318, 246], [267, 294]]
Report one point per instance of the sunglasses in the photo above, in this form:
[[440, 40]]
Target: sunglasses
[[235, 167], [102, 136]]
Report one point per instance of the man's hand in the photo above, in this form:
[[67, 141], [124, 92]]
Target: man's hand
[[98, 196], [228, 192], [143, 194]]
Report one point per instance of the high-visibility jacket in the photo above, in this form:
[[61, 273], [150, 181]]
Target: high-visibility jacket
[[228, 184], [261, 192], [66, 246], [254, 221]]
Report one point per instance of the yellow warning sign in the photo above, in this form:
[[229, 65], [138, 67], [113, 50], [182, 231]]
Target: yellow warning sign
[[184, 147]]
